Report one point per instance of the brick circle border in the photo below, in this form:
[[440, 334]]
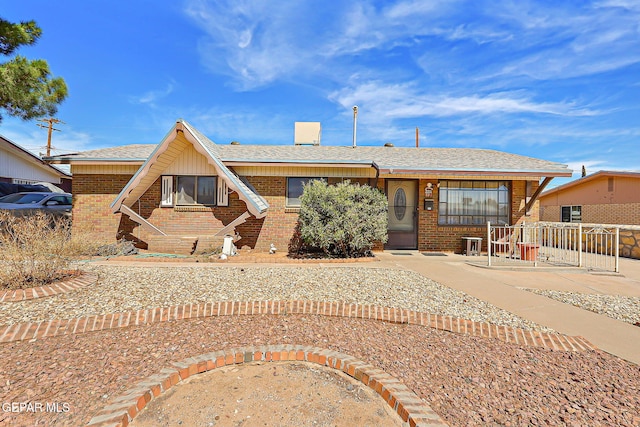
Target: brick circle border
[[402, 400], [78, 282], [57, 327]]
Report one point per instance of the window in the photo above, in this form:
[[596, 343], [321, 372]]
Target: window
[[62, 200], [571, 213], [24, 181], [22, 198], [190, 190], [294, 189], [473, 202]]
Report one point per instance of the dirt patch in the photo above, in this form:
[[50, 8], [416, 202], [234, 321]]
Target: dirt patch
[[257, 394]]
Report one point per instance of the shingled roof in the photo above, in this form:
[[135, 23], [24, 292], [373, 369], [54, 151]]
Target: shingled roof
[[387, 159]]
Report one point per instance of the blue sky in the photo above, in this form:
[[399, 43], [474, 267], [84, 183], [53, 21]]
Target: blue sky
[[554, 80]]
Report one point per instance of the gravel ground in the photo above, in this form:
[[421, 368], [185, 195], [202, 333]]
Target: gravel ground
[[617, 307], [132, 288], [467, 380]]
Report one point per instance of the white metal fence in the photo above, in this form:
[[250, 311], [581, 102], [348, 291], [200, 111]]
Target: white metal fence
[[591, 246]]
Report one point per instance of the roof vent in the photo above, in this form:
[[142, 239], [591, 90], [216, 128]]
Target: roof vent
[[307, 133], [235, 143], [388, 144]]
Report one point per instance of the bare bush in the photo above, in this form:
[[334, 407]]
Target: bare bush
[[34, 250]]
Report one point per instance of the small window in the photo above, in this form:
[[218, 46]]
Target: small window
[[294, 189], [571, 214], [196, 190], [62, 200]]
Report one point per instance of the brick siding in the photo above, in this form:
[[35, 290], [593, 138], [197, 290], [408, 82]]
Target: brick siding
[[434, 237], [618, 213], [94, 193]]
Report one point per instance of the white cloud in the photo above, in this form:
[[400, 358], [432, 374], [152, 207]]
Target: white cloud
[[565, 40], [152, 96], [35, 141], [257, 44], [407, 100], [626, 4]]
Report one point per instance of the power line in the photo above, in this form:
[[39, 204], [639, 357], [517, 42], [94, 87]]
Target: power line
[[49, 126]]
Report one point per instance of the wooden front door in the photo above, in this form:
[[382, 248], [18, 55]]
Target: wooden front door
[[403, 213]]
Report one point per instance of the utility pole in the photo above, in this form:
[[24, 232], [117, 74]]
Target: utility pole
[[49, 126]]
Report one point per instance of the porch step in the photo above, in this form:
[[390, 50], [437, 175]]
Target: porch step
[[183, 245]]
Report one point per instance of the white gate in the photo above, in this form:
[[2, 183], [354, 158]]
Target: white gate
[[591, 246]]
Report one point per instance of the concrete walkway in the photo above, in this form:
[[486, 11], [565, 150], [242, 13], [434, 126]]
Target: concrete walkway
[[500, 287]]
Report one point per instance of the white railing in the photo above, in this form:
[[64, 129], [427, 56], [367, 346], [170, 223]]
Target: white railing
[[591, 246]]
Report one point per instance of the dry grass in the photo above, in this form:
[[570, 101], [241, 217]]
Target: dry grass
[[37, 250]]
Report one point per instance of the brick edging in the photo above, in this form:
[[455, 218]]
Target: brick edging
[[83, 280], [44, 329], [404, 402]]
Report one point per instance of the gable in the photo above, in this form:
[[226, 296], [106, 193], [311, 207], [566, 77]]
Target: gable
[[16, 162], [165, 158], [190, 162], [174, 152]]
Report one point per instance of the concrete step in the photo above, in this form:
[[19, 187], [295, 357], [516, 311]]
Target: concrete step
[[183, 245]]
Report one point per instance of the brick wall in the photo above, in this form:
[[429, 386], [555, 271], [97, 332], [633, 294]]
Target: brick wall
[[550, 213], [94, 193], [279, 224], [627, 213], [434, 237]]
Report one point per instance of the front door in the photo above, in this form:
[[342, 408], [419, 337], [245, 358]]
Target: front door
[[403, 212]]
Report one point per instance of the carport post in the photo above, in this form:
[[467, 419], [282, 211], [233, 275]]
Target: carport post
[[580, 245], [488, 243]]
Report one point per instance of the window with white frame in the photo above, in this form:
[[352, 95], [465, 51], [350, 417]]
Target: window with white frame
[[23, 181], [294, 189], [571, 214], [473, 202], [190, 190]]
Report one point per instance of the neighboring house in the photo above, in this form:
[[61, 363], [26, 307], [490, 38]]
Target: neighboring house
[[18, 166], [189, 191], [604, 197]]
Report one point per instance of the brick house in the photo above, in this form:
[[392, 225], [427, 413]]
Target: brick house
[[188, 192], [604, 197]]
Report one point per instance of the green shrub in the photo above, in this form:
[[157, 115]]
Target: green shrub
[[344, 219]]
